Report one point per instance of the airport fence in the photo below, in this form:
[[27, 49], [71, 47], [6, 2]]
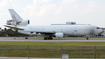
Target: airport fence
[[53, 52]]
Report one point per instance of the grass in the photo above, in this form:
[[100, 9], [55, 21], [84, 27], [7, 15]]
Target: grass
[[45, 49], [53, 49], [6, 44]]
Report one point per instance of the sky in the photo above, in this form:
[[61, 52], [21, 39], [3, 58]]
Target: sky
[[46, 12]]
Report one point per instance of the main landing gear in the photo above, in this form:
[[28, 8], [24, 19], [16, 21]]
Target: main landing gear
[[48, 38], [26, 37], [87, 37]]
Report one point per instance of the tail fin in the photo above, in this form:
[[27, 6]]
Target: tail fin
[[14, 15], [16, 19]]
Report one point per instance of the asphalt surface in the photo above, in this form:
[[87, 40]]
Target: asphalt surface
[[19, 39]]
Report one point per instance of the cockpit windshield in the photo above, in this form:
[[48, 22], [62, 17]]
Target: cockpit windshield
[[98, 28]]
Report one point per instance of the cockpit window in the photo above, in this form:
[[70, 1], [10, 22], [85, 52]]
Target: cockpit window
[[98, 27]]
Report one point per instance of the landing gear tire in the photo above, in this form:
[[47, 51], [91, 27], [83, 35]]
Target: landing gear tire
[[45, 38], [48, 38], [26, 38], [87, 38]]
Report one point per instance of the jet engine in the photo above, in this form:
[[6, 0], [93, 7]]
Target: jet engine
[[59, 35], [23, 22], [20, 22]]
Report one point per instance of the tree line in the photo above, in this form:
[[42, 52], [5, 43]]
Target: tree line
[[10, 33]]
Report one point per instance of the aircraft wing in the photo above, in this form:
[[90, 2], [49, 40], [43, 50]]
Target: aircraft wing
[[42, 32], [13, 27]]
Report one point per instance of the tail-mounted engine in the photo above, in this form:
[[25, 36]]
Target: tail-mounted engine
[[20, 22]]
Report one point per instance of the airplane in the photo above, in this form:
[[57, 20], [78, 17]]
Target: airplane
[[49, 31]]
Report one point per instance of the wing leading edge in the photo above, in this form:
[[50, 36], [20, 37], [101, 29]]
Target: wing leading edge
[[42, 32]]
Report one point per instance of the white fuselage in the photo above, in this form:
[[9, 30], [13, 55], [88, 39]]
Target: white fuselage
[[49, 31], [66, 29]]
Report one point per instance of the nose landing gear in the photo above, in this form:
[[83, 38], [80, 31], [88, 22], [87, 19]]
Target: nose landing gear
[[87, 37]]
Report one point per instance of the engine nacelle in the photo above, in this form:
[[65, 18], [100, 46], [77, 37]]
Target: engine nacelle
[[59, 35], [21, 22]]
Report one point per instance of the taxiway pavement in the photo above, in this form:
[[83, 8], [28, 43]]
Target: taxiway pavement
[[28, 40]]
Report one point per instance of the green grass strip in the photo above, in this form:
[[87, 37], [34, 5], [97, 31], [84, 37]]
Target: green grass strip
[[45, 49]]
